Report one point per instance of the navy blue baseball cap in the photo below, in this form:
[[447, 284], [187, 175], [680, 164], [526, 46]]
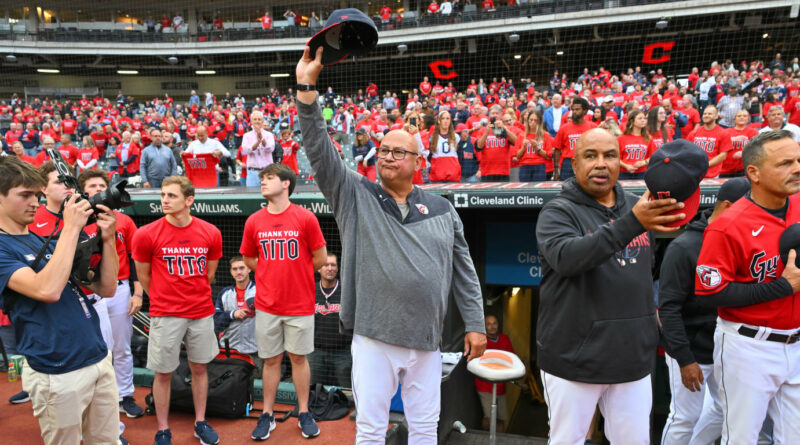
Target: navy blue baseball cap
[[790, 239], [675, 171], [733, 189], [347, 32]]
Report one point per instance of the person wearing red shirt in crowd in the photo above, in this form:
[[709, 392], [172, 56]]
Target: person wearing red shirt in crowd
[[738, 135], [713, 140], [266, 22], [660, 133], [290, 148], [495, 144], [792, 109], [176, 259], [48, 130], [68, 151], [755, 285], [88, 157], [379, 126], [494, 340], [69, 125], [19, 150], [166, 22], [123, 306], [42, 156], [693, 78], [99, 137], [372, 90], [687, 107], [84, 102], [425, 86], [283, 243], [444, 156], [535, 150], [567, 136], [486, 5], [635, 146], [433, 8], [128, 155], [13, 134], [364, 154]]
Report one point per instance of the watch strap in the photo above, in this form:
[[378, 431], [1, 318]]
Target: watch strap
[[305, 87]]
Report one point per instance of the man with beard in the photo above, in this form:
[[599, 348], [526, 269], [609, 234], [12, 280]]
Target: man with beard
[[713, 140], [567, 137]]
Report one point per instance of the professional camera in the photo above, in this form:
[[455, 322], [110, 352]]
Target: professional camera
[[86, 265]]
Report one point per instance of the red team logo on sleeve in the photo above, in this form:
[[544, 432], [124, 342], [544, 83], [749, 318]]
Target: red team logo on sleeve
[[709, 276]]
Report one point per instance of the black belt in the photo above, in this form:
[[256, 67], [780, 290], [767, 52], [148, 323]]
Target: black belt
[[779, 338]]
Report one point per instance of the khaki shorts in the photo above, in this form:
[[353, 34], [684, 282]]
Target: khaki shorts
[[486, 403], [81, 403], [166, 334], [278, 333]]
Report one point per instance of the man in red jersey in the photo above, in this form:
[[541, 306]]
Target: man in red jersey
[[567, 136], [122, 307], [739, 134], [176, 258], [494, 340], [713, 140], [283, 243], [756, 348]]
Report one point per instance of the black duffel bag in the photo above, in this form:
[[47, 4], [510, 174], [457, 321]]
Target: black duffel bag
[[326, 404]]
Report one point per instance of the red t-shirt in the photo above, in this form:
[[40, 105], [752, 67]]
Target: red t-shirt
[[86, 154], [792, 109], [530, 155], [425, 88], [503, 343], [737, 140], [69, 126], [283, 244], [178, 258], [495, 157], [633, 149], [713, 142], [694, 119], [69, 152], [201, 169], [266, 22], [568, 135], [290, 148], [741, 246]]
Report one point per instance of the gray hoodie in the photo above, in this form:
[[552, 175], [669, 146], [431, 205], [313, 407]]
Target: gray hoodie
[[397, 273]]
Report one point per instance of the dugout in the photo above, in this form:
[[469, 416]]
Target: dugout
[[499, 224]]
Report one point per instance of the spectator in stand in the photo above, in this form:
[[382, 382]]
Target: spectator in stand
[[635, 147], [88, 157], [19, 151], [290, 148], [494, 340], [729, 105], [738, 135], [386, 15], [128, 155], [177, 21], [30, 139], [234, 319], [258, 145], [166, 22], [567, 137], [206, 145], [290, 17], [364, 154], [444, 150], [487, 5], [713, 140], [466, 156], [777, 63], [775, 121], [495, 144], [657, 127], [157, 162], [675, 119], [535, 150], [266, 22], [194, 99], [555, 114], [792, 107], [68, 151], [331, 361]]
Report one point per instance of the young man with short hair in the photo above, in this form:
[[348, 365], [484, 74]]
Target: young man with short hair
[[234, 318], [283, 243], [69, 374], [124, 305], [176, 259]]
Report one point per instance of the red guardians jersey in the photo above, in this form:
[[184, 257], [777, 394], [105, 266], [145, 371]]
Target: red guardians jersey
[[741, 246], [126, 229], [713, 142], [45, 222], [738, 139], [283, 244], [178, 258], [568, 135]]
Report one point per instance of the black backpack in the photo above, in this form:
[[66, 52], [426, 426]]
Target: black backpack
[[326, 404], [230, 386]]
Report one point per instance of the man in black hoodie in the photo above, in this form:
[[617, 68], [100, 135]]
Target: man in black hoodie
[[687, 328], [597, 329]]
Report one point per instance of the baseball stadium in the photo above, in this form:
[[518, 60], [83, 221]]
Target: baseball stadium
[[522, 221]]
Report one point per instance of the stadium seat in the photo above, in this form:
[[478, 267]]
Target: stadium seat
[[496, 366]]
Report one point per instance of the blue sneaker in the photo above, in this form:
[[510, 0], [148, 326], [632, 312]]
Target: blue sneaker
[[307, 425], [206, 434], [266, 423], [163, 437], [20, 397]]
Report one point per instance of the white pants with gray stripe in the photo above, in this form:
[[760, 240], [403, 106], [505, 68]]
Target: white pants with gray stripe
[[687, 407], [625, 407], [757, 377]]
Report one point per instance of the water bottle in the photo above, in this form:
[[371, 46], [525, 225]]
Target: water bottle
[[458, 426], [12, 372]]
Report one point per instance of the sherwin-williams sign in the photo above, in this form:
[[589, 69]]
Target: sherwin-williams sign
[[512, 257]]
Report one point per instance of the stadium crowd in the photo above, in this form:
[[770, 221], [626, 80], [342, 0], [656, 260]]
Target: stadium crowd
[[483, 131]]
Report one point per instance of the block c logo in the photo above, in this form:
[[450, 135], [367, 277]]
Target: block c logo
[[649, 52], [436, 68]]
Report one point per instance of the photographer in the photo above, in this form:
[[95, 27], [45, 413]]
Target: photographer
[[69, 375], [495, 143], [729, 105]]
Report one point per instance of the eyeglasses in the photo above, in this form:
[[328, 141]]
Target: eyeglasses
[[397, 153]]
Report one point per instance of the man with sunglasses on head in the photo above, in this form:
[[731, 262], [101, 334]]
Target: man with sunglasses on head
[[397, 324]]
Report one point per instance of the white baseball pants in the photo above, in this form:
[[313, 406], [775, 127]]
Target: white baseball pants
[[625, 407], [122, 329], [686, 407], [101, 307], [378, 367], [757, 377]]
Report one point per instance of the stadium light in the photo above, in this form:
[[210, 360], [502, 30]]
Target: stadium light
[[766, 35], [279, 75], [559, 53], [402, 48], [205, 72], [127, 72], [47, 71], [517, 56], [662, 24], [172, 60], [11, 58], [513, 38]]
